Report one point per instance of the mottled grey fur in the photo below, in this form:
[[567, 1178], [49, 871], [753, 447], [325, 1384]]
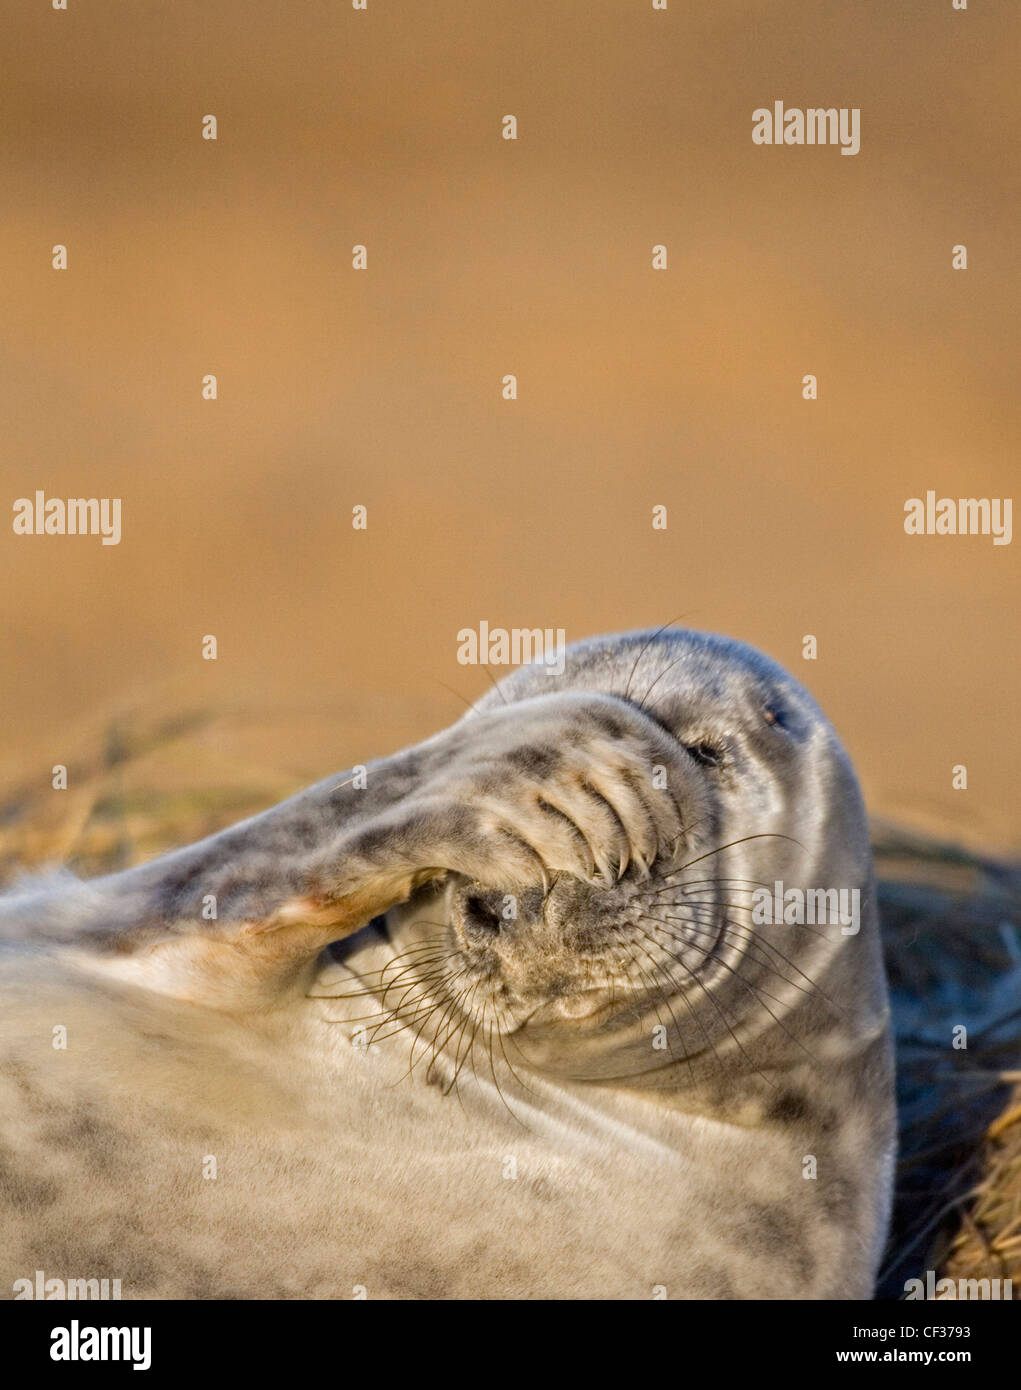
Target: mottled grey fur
[[545, 1052]]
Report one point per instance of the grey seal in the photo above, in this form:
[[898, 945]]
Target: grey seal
[[496, 1019]]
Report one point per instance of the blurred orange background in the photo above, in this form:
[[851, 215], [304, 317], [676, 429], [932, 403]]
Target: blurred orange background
[[486, 257]]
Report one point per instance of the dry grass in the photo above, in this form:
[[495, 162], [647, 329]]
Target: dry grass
[[139, 787], [953, 948], [988, 1243]]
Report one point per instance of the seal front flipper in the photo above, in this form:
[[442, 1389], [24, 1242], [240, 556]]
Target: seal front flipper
[[571, 783], [557, 783]]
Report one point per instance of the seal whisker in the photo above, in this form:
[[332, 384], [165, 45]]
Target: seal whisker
[[752, 937], [657, 634], [764, 964], [421, 1004], [433, 944], [709, 953], [496, 1080], [431, 967], [413, 1061], [427, 980], [691, 1010], [497, 685], [744, 934], [469, 1023], [649, 689], [658, 989], [758, 995], [704, 905], [694, 976], [424, 1003], [676, 961], [460, 1018], [448, 1021], [502, 1033], [745, 839]]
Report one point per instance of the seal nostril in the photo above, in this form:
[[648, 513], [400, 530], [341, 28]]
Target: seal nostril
[[480, 918], [705, 753]]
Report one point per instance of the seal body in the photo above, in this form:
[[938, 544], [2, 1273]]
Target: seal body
[[509, 1020]]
